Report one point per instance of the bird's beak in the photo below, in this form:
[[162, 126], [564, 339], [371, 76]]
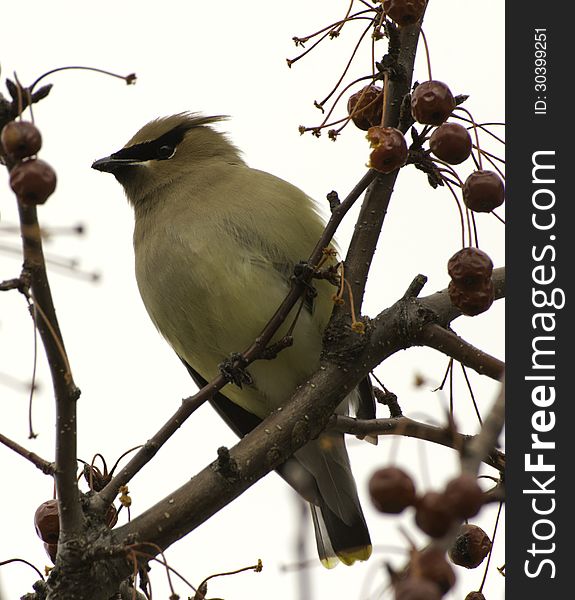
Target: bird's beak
[[109, 164]]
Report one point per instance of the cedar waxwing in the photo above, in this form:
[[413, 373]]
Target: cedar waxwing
[[215, 245]]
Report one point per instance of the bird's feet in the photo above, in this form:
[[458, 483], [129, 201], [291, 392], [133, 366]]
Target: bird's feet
[[233, 369]]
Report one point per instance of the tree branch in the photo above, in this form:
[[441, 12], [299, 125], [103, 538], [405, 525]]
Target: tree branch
[[448, 342], [488, 438], [348, 358], [374, 208], [46, 467], [65, 391], [411, 428]]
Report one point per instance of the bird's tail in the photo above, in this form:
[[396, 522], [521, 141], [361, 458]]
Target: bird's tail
[[340, 528]]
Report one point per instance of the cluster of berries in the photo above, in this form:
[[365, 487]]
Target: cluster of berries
[[392, 491], [431, 104], [31, 179]]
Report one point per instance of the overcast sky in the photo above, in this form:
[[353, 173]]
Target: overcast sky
[[222, 58]]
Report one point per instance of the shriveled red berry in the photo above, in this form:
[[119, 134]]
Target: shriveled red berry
[[475, 596], [389, 148], [465, 495], [472, 302], [483, 191], [432, 102], [391, 490], [451, 143], [95, 478], [433, 565], [33, 181], [471, 546], [51, 551], [433, 514], [21, 139], [365, 107], [470, 268], [417, 588], [404, 12], [47, 521]]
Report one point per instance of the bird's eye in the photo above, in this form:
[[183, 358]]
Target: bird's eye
[[165, 151]]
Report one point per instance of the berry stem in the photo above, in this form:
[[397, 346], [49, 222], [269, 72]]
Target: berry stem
[[347, 118], [19, 89], [474, 228], [356, 325], [482, 126], [491, 551], [458, 203], [426, 54], [470, 388], [385, 94], [300, 41], [337, 30], [129, 79], [492, 162], [21, 560], [449, 169], [33, 309], [498, 217], [451, 402], [493, 156], [376, 35], [339, 294], [348, 65], [291, 61], [472, 120]]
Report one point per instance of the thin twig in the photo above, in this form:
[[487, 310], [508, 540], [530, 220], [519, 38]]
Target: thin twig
[[46, 467], [404, 426]]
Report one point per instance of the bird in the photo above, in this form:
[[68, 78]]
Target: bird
[[216, 243]]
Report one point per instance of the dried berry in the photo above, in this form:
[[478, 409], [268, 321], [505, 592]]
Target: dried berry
[[365, 107], [391, 490], [51, 551], [416, 588], [483, 191], [33, 181], [464, 495], [432, 565], [433, 514], [21, 139], [47, 521], [471, 546], [470, 268], [432, 102], [475, 596], [472, 302], [95, 478], [404, 12], [389, 149], [451, 143]]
